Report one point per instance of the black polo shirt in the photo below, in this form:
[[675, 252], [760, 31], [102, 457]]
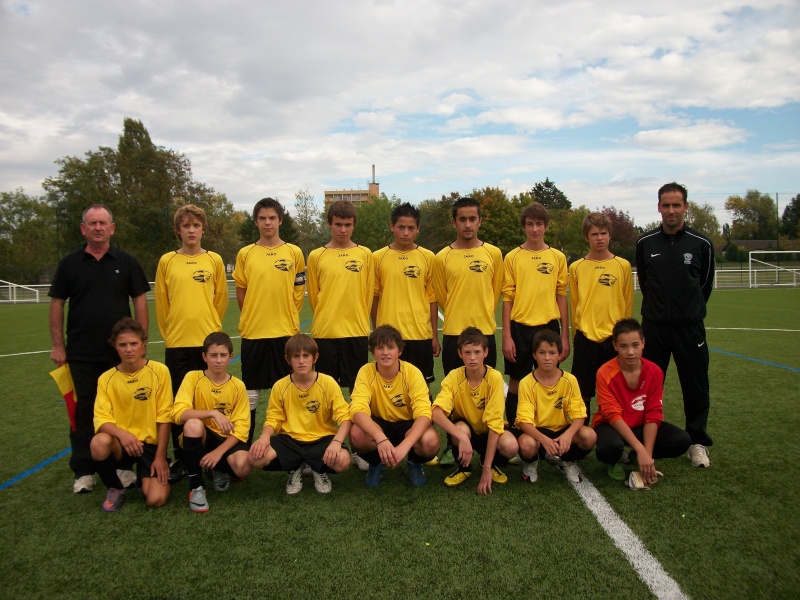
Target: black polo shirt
[[98, 294]]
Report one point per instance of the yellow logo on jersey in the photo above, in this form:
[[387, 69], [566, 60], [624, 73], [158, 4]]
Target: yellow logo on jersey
[[607, 279], [202, 276], [482, 404], [398, 401], [142, 394], [412, 272], [354, 265], [478, 266], [283, 265], [312, 406], [223, 407], [545, 268], [560, 403]]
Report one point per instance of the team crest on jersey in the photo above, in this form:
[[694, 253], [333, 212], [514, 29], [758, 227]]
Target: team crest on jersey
[[300, 278], [607, 279], [202, 276], [482, 404], [638, 402], [687, 258], [283, 264], [223, 407], [478, 266], [397, 400], [560, 403], [354, 265], [412, 272], [312, 406], [545, 268], [142, 394]]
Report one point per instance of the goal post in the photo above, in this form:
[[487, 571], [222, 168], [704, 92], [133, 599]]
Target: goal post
[[774, 268]]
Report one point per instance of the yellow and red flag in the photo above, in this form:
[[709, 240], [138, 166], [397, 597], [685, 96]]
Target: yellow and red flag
[[63, 380]]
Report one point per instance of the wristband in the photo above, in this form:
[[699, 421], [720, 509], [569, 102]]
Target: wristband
[[383, 440], [340, 443]]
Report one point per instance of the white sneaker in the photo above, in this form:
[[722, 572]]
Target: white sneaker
[[356, 460], [572, 471], [530, 471], [295, 483], [306, 470], [322, 482], [698, 454], [126, 477], [83, 484]]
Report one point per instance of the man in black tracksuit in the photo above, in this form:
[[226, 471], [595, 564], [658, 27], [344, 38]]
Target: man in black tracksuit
[[675, 267]]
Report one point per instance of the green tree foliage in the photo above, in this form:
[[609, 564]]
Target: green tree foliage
[[567, 231], [623, 233], [436, 222], [372, 222], [27, 238], [309, 222], [546, 193], [703, 219], [754, 216], [790, 221], [500, 218]]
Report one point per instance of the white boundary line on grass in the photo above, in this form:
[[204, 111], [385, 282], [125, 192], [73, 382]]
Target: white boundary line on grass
[[645, 564], [752, 329]]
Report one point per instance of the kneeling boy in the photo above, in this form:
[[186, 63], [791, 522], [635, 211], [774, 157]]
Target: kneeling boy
[[214, 410], [630, 390], [391, 411], [132, 419], [551, 413], [301, 427], [469, 408]]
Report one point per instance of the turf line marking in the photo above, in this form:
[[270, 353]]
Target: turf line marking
[[33, 469], [645, 564], [758, 360], [753, 329]]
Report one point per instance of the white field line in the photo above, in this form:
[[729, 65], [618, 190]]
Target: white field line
[[645, 564], [233, 337]]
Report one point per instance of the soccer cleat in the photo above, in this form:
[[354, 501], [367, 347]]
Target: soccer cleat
[[114, 500], [374, 475], [515, 460], [177, 471], [197, 500], [432, 462], [322, 482], [571, 470], [530, 471], [498, 476], [447, 459], [457, 477], [83, 484], [127, 478], [220, 480], [359, 462], [698, 454], [295, 482], [625, 459], [306, 470], [416, 474], [616, 472]]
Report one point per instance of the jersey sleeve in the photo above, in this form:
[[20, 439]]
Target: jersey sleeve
[[526, 411], [240, 417], [576, 407], [498, 274], [495, 404], [220, 286], [445, 399], [276, 413], [184, 399], [574, 293], [239, 274], [162, 296], [339, 408], [439, 280], [561, 282], [608, 405], [418, 392], [164, 399], [299, 280], [362, 392], [509, 280], [627, 289], [103, 411], [312, 280]]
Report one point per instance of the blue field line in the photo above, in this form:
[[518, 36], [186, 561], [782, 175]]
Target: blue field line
[[33, 469], [758, 360]]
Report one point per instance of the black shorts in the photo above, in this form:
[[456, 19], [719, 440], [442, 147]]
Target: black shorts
[[143, 462], [293, 453], [264, 362], [587, 358], [451, 360], [575, 452], [341, 358], [479, 442], [214, 441], [394, 430], [523, 340], [420, 354], [180, 361]]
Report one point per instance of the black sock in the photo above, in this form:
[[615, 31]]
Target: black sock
[[192, 453], [252, 425], [511, 408], [107, 469]]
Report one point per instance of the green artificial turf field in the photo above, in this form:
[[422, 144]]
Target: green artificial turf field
[[731, 531]]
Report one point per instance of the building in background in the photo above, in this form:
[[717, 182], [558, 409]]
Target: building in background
[[355, 196]]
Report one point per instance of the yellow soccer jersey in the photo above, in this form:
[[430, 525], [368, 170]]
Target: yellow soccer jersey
[[482, 407], [550, 407], [341, 284], [531, 280], [404, 398], [135, 403], [310, 414], [404, 282], [198, 392], [275, 281], [191, 297], [467, 284], [601, 292]]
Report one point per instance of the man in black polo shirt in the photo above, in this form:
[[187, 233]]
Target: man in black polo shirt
[[98, 281], [675, 267]]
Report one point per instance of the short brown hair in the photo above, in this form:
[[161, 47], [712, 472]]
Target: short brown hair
[[384, 335], [218, 338], [188, 210], [342, 209], [474, 336], [535, 211], [298, 343], [125, 325], [626, 326], [547, 336], [269, 203], [596, 219]]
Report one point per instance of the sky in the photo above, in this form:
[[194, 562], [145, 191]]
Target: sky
[[608, 99]]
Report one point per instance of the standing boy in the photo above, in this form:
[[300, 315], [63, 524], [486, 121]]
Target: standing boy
[[307, 422], [191, 299], [212, 406], [551, 413], [404, 295], [391, 411], [601, 290], [675, 267], [469, 408], [630, 409], [270, 285], [534, 298], [132, 419]]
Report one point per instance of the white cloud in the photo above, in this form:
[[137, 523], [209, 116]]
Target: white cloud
[[700, 136]]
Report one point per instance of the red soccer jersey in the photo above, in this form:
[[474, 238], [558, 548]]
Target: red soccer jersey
[[636, 406]]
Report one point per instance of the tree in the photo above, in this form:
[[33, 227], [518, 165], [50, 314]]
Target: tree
[[623, 233], [436, 222], [546, 193], [790, 221], [754, 216], [500, 220], [703, 219], [372, 222], [27, 238], [307, 222]]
